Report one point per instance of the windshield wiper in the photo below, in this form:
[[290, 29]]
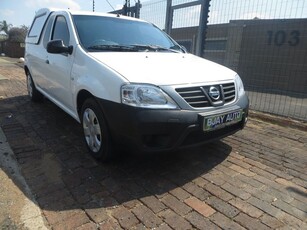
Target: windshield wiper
[[112, 48], [153, 48], [131, 48]]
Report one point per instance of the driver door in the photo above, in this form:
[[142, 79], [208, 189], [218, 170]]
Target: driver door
[[58, 83]]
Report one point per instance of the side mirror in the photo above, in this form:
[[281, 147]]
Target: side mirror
[[58, 47]]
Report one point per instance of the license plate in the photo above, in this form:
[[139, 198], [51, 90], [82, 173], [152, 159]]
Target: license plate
[[221, 120]]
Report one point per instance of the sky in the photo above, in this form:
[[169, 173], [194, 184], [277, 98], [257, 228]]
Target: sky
[[21, 12]]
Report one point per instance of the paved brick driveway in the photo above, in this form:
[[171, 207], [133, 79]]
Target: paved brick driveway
[[255, 179]]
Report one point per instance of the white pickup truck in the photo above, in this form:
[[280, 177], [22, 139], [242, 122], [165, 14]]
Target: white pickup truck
[[128, 82]]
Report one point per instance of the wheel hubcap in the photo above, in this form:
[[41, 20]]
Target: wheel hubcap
[[92, 131], [29, 86]]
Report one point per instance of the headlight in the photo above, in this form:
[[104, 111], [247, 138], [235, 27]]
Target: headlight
[[240, 86], [146, 96]]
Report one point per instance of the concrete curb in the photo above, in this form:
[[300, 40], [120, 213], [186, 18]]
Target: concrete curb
[[282, 121], [29, 216]]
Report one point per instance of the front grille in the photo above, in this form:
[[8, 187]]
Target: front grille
[[198, 97], [194, 96], [229, 92]]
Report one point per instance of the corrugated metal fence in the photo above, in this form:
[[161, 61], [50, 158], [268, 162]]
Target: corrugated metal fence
[[264, 41]]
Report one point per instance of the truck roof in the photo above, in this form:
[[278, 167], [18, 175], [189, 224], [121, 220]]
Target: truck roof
[[47, 11]]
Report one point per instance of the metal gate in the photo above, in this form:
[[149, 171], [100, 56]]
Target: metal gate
[[203, 20], [264, 41]]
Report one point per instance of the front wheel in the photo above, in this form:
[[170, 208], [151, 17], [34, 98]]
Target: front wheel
[[33, 93], [95, 129]]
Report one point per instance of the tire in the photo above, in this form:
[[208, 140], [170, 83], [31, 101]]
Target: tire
[[95, 130], [33, 93]]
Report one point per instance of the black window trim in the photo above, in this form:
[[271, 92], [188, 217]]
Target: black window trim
[[186, 40], [45, 28], [54, 23], [36, 17]]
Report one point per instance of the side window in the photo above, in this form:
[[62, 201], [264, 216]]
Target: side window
[[48, 31], [37, 26], [60, 30]]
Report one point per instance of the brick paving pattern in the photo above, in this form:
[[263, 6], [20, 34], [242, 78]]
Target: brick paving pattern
[[255, 179]]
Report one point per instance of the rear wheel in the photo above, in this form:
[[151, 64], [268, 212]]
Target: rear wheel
[[95, 129], [33, 93]]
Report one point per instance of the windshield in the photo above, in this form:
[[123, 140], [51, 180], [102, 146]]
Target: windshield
[[98, 33]]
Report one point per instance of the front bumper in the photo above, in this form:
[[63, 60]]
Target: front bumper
[[152, 130]]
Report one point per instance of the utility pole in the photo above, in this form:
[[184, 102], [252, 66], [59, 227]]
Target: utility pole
[[93, 5]]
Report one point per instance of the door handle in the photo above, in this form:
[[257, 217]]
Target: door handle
[[47, 61]]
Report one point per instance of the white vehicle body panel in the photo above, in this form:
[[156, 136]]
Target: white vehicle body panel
[[126, 81], [60, 77], [91, 75], [57, 69], [164, 68]]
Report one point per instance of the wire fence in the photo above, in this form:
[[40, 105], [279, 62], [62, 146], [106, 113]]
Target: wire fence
[[264, 41]]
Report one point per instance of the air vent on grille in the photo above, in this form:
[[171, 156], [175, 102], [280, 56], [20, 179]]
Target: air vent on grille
[[198, 96], [194, 96], [229, 92]]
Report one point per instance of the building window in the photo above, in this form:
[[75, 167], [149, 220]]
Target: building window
[[216, 45]]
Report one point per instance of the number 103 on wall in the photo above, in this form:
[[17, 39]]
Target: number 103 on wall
[[281, 37]]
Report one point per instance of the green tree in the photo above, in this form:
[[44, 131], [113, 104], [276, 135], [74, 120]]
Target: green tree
[[5, 27], [18, 34]]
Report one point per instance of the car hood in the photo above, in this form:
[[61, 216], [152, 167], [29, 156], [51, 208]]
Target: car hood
[[160, 68]]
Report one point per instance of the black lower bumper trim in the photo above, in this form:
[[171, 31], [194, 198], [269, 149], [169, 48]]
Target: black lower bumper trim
[[163, 130]]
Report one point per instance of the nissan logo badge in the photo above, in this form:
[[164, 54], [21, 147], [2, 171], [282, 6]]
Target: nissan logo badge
[[214, 93]]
